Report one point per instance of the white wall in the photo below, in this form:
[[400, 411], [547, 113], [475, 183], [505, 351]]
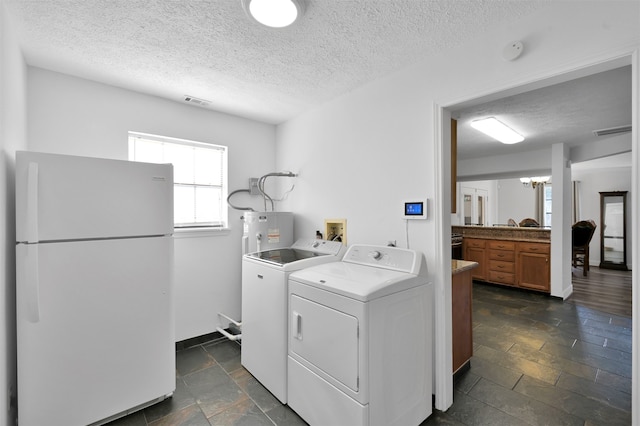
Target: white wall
[[360, 155], [515, 201], [488, 188], [591, 183], [533, 163], [73, 116], [364, 152], [13, 137]]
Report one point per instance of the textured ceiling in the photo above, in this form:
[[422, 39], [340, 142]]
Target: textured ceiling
[[567, 112], [210, 49]]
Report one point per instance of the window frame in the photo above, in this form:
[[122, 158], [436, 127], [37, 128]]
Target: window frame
[[548, 202], [216, 226]]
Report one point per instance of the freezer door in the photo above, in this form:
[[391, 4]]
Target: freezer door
[[95, 328], [60, 197]]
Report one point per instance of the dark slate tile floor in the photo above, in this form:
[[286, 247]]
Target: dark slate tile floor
[[537, 361]]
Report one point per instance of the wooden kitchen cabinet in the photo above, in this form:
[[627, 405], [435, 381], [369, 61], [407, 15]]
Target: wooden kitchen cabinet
[[462, 308], [534, 266], [508, 262], [474, 251], [502, 262]]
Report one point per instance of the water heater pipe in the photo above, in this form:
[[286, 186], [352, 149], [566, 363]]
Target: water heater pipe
[[261, 181]]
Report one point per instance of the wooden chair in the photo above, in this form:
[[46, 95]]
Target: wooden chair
[[532, 223], [581, 234]]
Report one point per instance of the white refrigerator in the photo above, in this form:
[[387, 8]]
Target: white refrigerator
[[94, 264]]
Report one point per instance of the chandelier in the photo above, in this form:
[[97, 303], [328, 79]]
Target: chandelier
[[535, 181]]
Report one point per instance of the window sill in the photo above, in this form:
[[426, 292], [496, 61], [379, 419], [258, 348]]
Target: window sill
[[200, 232]]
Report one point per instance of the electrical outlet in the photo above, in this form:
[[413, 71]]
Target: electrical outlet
[[253, 186]]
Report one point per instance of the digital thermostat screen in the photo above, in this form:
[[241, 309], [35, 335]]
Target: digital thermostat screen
[[413, 209]]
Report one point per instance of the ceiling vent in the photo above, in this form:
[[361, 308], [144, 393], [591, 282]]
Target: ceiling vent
[[196, 101], [612, 131]]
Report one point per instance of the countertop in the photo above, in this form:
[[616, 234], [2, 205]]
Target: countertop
[[458, 266], [524, 234]]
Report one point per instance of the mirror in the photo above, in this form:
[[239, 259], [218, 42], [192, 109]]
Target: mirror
[[613, 232]]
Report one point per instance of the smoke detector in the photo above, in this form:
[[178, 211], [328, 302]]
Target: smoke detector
[[612, 131], [196, 101], [512, 51]]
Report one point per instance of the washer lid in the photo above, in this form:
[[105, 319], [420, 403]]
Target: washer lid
[[283, 256], [305, 249], [356, 281]]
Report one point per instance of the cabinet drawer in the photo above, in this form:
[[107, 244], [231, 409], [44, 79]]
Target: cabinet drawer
[[499, 266], [470, 242], [503, 255], [535, 247], [502, 245], [502, 277]]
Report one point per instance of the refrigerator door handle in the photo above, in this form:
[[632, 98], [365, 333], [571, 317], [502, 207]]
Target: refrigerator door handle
[[28, 275], [32, 204]]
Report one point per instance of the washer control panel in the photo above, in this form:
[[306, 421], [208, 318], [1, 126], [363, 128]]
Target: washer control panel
[[395, 258], [318, 246]]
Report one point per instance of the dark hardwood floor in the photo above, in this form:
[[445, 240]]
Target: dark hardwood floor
[[605, 290]]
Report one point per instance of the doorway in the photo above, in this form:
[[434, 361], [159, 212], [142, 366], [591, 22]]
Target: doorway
[[443, 116], [474, 206]]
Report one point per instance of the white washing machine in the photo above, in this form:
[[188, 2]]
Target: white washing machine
[[264, 306], [360, 339]]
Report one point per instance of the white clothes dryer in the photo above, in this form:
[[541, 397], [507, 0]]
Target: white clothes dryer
[[360, 339], [264, 306]]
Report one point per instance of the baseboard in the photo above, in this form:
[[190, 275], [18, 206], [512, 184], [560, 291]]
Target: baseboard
[[567, 292]]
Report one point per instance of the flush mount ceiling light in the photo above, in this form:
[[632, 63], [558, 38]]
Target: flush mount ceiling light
[[497, 130], [274, 13]]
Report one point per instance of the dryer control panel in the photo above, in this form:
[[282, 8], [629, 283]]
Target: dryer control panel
[[395, 258]]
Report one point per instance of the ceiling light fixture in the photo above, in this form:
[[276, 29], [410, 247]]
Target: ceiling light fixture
[[497, 130], [274, 13], [535, 181]]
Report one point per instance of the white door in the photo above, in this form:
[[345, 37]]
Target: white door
[[474, 206], [326, 338], [95, 328]]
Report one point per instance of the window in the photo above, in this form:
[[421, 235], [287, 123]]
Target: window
[[547, 205], [199, 177]]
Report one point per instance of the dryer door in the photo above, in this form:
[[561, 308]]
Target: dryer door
[[327, 339]]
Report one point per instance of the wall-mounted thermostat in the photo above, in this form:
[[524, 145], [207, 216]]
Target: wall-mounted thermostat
[[415, 209]]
